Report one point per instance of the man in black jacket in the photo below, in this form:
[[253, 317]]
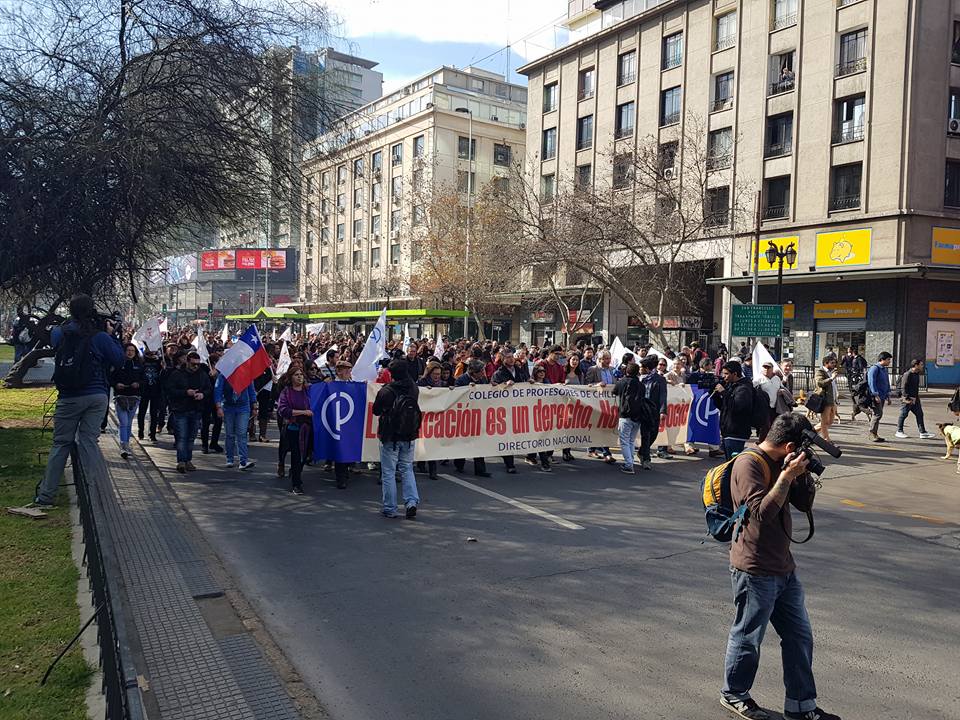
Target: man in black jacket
[[186, 389], [910, 397], [393, 405], [734, 397], [631, 394], [150, 396], [510, 371], [474, 375]]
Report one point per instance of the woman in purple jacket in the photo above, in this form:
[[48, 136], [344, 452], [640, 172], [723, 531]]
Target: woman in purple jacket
[[293, 407]]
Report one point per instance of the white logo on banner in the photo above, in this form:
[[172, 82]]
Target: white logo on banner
[[338, 420], [704, 417]]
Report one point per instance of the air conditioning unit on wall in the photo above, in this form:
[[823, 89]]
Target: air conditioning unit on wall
[[668, 173], [953, 126]]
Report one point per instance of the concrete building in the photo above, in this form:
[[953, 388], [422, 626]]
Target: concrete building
[[368, 181], [846, 115]]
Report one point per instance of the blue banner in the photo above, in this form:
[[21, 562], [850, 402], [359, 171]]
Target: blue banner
[[703, 425], [339, 410]]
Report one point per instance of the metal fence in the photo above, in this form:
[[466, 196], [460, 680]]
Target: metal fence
[[120, 688], [803, 376]]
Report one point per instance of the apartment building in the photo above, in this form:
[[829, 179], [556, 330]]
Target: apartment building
[[368, 181], [844, 115]]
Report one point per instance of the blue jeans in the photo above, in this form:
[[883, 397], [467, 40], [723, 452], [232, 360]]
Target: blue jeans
[[235, 429], [777, 599], [185, 426], [732, 447], [628, 439], [76, 419], [397, 456], [125, 419], [917, 411]]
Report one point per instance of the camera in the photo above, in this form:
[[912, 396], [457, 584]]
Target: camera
[[101, 320], [707, 381], [813, 462]]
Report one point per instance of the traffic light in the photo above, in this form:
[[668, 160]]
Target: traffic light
[[209, 309], [164, 308]]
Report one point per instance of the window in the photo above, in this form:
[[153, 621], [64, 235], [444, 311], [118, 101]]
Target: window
[[375, 257], [501, 155], [784, 14], [417, 179], [782, 77], [622, 170], [419, 144], [325, 207], [324, 265], [466, 182], [627, 67], [310, 239], [626, 117], [339, 262], [672, 50], [310, 210], [376, 161], [396, 154], [375, 225], [777, 196], [585, 85], [667, 155], [726, 31], [358, 197], [395, 220], [548, 187], [585, 132], [779, 135], [396, 187], [358, 168], [542, 272], [951, 188], [341, 174], [463, 143], [415, 251], [548, 148], [584, 174], [324, 181], [395, 254], [953, 109], [341, 232], [723, 91], [720, 149], [310, 185], [357, 229], [848, 126], [717, 210], [853, 53], [419, 215], [955, 55], [550, 97], [501, 186], [670, 106], [341, 202], [357, 257], [324, 236], [845, 188]]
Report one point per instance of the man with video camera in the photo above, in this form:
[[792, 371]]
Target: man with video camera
[[762, 571], [87, 351]]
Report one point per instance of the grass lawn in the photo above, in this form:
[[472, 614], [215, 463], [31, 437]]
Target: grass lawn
[[6, 353], [38, 580]]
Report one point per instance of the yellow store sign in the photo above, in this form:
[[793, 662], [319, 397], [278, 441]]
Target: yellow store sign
[[789, 311], [844, 310], [843, 248], [782, 244], [946, 246], [944, 311]]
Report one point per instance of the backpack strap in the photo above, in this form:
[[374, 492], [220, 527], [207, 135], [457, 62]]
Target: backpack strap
[[742, 513]]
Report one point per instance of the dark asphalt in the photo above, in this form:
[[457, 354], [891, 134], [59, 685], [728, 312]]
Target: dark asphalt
[[626, 618]]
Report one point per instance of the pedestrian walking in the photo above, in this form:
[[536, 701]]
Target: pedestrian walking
[[150, 396], [397, 407], [235, 409], [126, 381], [293, 407], [211, 422], [878, 383], [910, 399], [187, 387], [825, 380], [630, 393]]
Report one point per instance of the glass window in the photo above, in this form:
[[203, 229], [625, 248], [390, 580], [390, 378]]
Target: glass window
[[419, 215], [670, 106], [723, 91], [463, 143], [375, 224], [357, 229], [953, 108], [784, 13], [782, 76], [726, 31], [395, 254], [585, 132], [672, 50], [626, 116], [341, 231], [951, 193], [417, 178], [374, 257], [777, 198], [853, 52], [324, 265], [627, 67], [395, 220], [376, 161], [339, 262], [341, 201], [501, 186], [396, 154], [548, 149], [324, 180], [341, 174], [466, 182], [375, 192], [585, 86], [955, 55], [396, 187], [622, 170], [357, 256], [717, 212], [358, 168], [550, 97], [780, 135], [501, 155], [668, 155], [548, 187], [358, 197], [849, 119], [719, 148], [584, 176], [419, 143], [324, 235], [845, 193]]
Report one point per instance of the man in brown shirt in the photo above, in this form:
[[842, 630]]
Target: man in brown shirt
[[765, 588]]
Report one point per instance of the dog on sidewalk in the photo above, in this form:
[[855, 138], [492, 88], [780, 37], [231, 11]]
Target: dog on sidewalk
[[951, 437]]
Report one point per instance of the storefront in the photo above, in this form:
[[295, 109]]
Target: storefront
[[942, 354], [838, 326]]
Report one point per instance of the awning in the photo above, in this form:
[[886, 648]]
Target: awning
[[268, 313], [840, 274], [351, 315]]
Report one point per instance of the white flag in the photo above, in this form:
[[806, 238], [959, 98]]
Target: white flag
[[200, 343], [287, 334], [406, 337], [274, 334], [760, 356], [225, 333], [283, 364], [148, 335], [616, 352], [439, 349], [365, 369], [163, 325]]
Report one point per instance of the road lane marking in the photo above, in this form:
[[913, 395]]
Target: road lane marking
[[515, 503], [880, 508]]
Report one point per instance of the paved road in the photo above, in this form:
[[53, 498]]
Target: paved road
[[624, 618]]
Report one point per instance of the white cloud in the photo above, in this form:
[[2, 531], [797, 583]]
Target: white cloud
[[492, 22]]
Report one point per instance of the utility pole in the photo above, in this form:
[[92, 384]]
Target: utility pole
[[466, 288], [755, 251]]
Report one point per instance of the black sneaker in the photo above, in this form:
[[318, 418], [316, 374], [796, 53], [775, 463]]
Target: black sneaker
[[511, 471], [817, 714], [411, 512], [747, 709]]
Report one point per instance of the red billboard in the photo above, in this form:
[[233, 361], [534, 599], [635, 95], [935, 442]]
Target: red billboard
[[213, 260]]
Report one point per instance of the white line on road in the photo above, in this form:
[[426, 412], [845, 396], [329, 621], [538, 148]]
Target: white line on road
[[516, 503]]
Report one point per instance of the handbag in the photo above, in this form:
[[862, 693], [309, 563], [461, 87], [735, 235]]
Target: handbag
[[815, 402]]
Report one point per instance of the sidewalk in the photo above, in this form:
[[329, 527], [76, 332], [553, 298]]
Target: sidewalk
[[195, 657]]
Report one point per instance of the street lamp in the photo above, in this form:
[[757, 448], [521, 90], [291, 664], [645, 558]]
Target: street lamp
[[775, 255], [466, 275]]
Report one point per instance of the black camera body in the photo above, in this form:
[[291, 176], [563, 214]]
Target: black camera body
[[707, 381], [813, 462], [115, 318]]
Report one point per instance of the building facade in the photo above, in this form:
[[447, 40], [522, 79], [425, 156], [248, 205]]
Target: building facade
[[841, 116], [368, 181]]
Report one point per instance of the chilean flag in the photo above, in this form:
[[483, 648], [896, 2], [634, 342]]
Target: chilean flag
[[244, 361]]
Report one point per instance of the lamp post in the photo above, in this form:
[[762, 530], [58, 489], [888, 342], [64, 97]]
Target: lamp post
[[466, 287], [775, 255]]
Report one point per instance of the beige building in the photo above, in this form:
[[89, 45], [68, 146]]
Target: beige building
[[366, 180], [847, 118]]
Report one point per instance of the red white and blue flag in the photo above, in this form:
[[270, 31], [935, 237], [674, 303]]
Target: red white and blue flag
[[244, 361]]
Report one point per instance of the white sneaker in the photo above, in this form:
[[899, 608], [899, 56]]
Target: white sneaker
[[228, 464], [247, 465], [926, 435], [901, 435]]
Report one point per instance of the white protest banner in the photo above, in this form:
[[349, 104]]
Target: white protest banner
[[616, 352], [287, 335], [148, 335], [200, 343], [760, 356], [163, 325], [365, 368], [439, 349], [673, 430], [283, 364], [225, 334], [406, 337]]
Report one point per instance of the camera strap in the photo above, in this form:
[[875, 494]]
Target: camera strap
[[783, 524]]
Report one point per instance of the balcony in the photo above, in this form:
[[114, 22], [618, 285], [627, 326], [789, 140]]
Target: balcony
[[396, 161], [782, 86], [724, 43], [851, 67], [585, 94], [779, 149], [719, 162], [776, 212], [785, 21], [845, 202], [627, 78], [623, 132], [670, 119], [717, 219], [723, 103], [847, 134], [672, 61], [844, 3]]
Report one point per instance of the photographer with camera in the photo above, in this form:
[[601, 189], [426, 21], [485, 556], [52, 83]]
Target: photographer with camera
[[762, 570], [87, 352]]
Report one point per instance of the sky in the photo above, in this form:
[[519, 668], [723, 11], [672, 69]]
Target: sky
[[412, 37]]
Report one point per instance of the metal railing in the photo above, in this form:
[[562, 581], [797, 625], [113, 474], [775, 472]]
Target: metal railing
[[776, 212], [722, 104], [779, 149], [724, 43], [585, 94], [845, 202], [623, 132], [850, 67], [670, 119], [803, 379], [120, 688], [782, 86], [719, 162], [784, 21], [626, 78], [851, 133]]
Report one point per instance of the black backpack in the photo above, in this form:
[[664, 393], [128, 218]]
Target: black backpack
[[403, 420], [73, 363], [761, 408]]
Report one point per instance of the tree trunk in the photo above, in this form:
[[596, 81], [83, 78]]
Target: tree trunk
[[14, 378]]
